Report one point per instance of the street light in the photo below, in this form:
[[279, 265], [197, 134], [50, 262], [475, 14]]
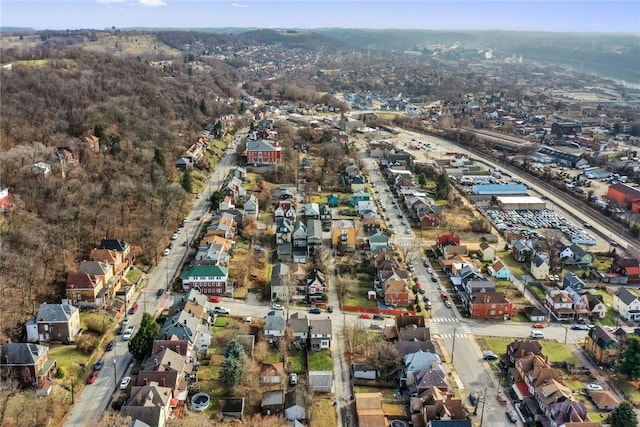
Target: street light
[[115, 375]]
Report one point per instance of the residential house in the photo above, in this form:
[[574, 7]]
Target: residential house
[[604, 400], [573, 254], [499, 270], [357, 183], [597, 309], [316, 285], [420, 361], [431, 217], [207, 279], [363, 371], [312, 211], [274, 328], [359, 196], [272, 402], [223, 225], [620, 264], [369, 410], [420, 381], [320, 334], [85, 289], [569, 412], [451, 251], [280, 282], [149, 404], [251, 208], [539, 267], [633, 275], [54, 323], [602, 345], [314, 232], [520, 251], [627, 304], [295, 405], [188, 327], [299, 236], [325, 217], [534, 314], [263, 152], [114, 258], [299, 327], [320, 381], [298, 273], [119, 246], [343, 236], [572, 281], [226, 203], [560, 305], [105, 271], [487, 252], [27, 364], [490, 305], [168, 369], [397, 293], [551, 392], [378, 239], [212, 253], [519, 348]]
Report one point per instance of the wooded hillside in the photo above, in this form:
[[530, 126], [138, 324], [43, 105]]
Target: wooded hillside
[[145, 116]]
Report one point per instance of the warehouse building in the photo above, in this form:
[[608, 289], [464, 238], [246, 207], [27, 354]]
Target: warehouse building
[[521, 203]]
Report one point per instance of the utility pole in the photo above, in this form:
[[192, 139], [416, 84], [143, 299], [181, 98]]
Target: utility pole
[[566, 331], [453, 346], [484, 400]]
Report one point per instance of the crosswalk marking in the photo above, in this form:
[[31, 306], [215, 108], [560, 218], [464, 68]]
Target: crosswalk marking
[[445, 319], [443, 336]]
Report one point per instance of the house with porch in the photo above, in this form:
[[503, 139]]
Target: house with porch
[[26, 363], [251, 208], [208, 279], [520, 251], [487, 252], [319, 334], [397, 293], [274, 328], [627, 304], [570, 280], [602, 345], [85, 289], [499, 271], [539, 267]]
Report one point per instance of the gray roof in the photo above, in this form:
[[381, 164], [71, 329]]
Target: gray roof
[[275, 322], [94, 267], [320, 379], [320, 326], [55, 312], [626, 296], [272, 398], [294, 398], [278, 272], [261, 145], [22, 353], [299, 324], [537, 260]]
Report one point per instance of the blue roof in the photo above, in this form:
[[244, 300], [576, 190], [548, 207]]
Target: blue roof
[[498, 189]]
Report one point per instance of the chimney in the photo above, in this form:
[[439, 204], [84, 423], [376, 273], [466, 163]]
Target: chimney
[[169, 363], [155, 361], [139, 399], [522, 353], [145, 381]]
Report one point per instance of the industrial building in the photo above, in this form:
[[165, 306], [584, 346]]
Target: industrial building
[[521, 203]]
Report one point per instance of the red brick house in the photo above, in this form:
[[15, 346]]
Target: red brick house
[[263, 152], [397, 293], [430, 219], [490, 305], [28, 364]]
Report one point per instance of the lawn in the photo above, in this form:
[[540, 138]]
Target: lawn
[[97, 322], [518, 269], [557, 352], [240, 293], [360, 301], [320, 360], [323, 413], [272, 356], [71, 361], [295, 361], [208, 380], [630, 391], [537, 291], [134, 275], [220, 322]]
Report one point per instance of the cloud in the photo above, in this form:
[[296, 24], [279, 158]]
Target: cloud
[[111, 1], [239, 5], [152, 3]]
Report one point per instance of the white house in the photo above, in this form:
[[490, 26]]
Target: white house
[[627, 304], [251, 207]]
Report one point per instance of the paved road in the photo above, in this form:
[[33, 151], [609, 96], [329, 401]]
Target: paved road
[[94, 399]]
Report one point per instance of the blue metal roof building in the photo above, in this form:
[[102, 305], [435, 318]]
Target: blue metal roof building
[[498, 189]]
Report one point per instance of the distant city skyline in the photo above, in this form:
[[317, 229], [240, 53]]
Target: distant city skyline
[[509, 15]]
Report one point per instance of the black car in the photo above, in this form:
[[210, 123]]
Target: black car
[[378, 317], [315, 311], [434, 279], [110, 346], [160, 292], [473, 398], [330, 308], [119, 330], [422, 291], [99, 364], [488, 355]]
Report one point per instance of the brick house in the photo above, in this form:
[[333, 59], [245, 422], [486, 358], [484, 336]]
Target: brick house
[[490, 305], [263, 152], [623, 194], [208, 279], [28, 364], [602, 345], [397, 293], [83, 288]]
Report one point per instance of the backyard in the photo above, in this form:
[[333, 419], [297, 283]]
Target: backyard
[[356, 289], [319, 361], [557, 352]]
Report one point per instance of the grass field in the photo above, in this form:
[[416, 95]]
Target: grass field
[[134, 275], [74, 364], [131, 44], [323, 413], [320, 361], [208, 380], [556, 352], [295, 361]]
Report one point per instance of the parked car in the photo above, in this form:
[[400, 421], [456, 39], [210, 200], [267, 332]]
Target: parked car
[[577, 327], [221, 310], [125, 383], [214, 299], [277, 307], [99, 364], [128, 333], [538, 325], [166, 252], [512, 416], [444, 296], [315, 310], [159, 292], [119, 330], [330, 309], [447, 304], [434, 279], [489, 355], [594, 387], [375, 326], [185, 243], [293, 378], [473, 398], [92, 377], [378, 317], [429, 270], [174, 236], [422, 291], [110, 346], [366, 316], [133, 309]]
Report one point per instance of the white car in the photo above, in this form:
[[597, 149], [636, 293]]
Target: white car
[[221, 310], [594, 387], [125, 383], [174, 236], [166, 252], [128, 333], [429, 270], [277, 307]]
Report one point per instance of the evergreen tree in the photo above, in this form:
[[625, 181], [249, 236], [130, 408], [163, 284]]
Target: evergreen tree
[[141, 344], [231, 371], [630, 363], [234, 350], [623, 416], [187, 181], [443, 186]]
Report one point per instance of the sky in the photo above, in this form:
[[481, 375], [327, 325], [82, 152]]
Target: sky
[[509, 15]]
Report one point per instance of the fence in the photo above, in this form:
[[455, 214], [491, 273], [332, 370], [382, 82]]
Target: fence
[[375, 310]]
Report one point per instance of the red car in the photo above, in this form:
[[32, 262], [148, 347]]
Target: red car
[[133, 309], [538, 325], [214, 299], [418, 285], [366, 316], [443, 296], [92, 377]]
